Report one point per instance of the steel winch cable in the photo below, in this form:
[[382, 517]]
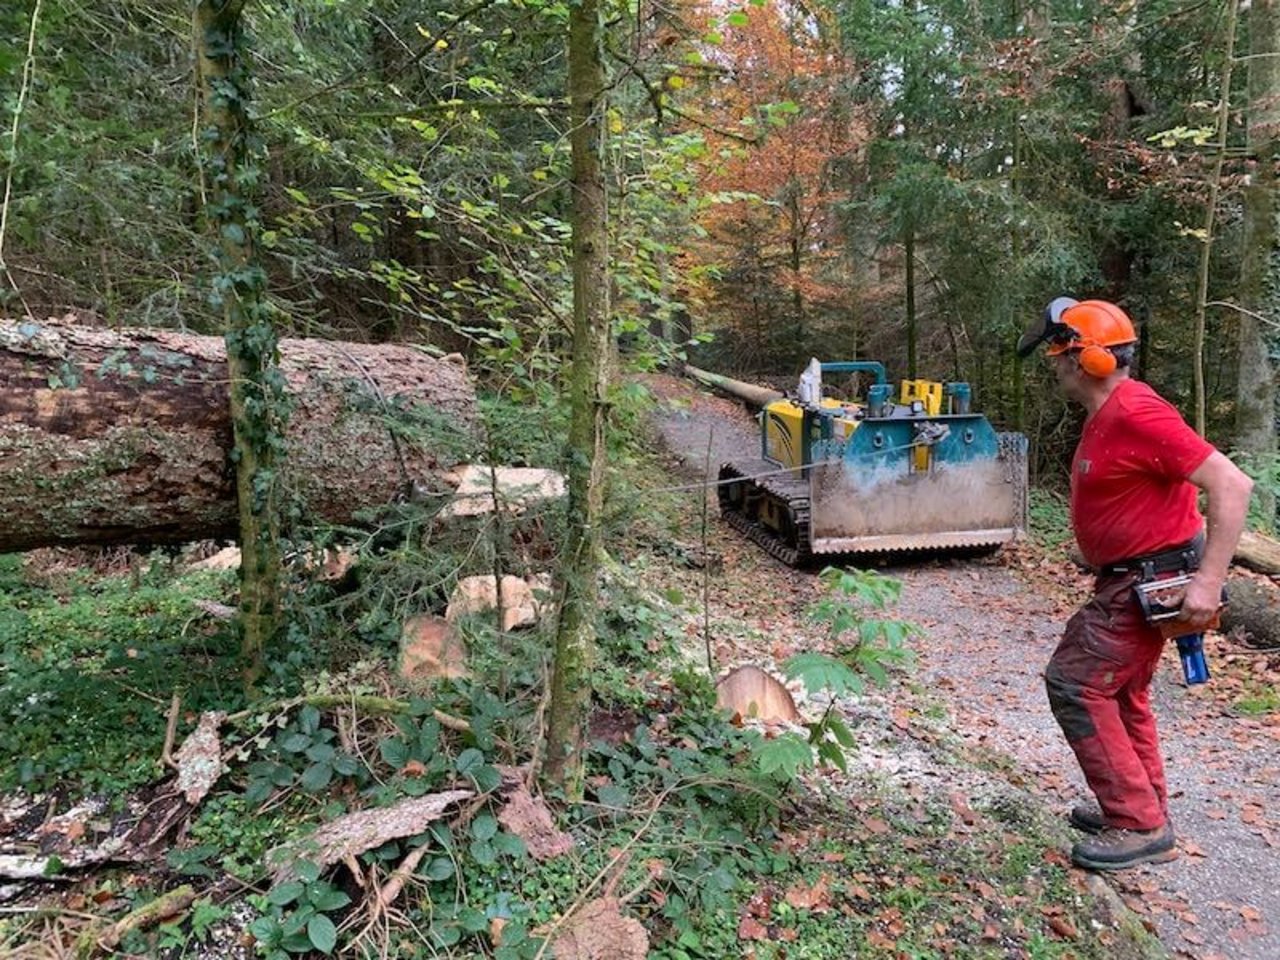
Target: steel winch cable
[[707, 484]]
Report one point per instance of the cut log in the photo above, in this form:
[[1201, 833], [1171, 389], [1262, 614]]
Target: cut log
[[113, 437], [1253, 614], [749, 393], [1258, 552]]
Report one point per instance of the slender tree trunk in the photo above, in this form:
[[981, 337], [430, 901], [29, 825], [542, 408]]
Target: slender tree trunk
[[258, 407], [575, 637], [797, 247], [1260, 258], [1202, 292], [909, 252]]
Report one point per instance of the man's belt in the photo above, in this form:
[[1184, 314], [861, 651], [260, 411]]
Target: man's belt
[[1184, 558]]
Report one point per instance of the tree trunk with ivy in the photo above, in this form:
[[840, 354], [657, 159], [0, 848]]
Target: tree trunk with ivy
[[258, 405], [1260, 256], [563, 765], [112, 437]]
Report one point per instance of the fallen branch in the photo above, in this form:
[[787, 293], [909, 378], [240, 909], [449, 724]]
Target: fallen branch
[[18, 867], [391, 889], [219, 611], [354, 833], [162, 908], [171, 731]]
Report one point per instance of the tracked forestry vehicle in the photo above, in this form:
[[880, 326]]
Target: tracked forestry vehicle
[[913, 472]]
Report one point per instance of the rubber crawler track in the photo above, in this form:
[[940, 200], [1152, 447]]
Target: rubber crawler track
[[791, 493]]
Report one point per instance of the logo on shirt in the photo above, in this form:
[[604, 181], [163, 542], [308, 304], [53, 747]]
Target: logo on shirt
[[1083, 466]]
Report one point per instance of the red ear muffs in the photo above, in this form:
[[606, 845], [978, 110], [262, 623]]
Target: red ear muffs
[[1097, 361]]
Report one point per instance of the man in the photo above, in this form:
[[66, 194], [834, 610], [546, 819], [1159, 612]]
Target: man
[[1135, 478]]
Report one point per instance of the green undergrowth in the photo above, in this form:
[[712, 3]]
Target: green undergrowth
[[1050, 520], [88, 667]]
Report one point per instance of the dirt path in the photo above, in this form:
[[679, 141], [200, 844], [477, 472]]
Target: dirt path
[[989, 628]]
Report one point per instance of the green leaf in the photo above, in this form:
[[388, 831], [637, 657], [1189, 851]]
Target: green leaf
[[821, 672], [469, 761], [286, 893], [839, 730], [440, 868], [345, 765], [295, 743], [484, 827], [321, 753], [316, 777], [612, 795], [309, 719], [265, 930], [508, 844], [322, 933], [830, 752], [328, 898], [482, 853], [786, 755], [394, 751], [308, 870], [488, 778], [738, 19]]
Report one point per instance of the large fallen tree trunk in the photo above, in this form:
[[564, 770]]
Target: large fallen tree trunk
[[1258, 552], [124, 436], [751, 393], [1254, 612]]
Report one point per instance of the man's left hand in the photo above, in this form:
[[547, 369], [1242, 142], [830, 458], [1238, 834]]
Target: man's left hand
[[1200, 603]]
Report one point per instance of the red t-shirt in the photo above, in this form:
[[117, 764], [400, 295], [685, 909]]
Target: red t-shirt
[[1129, 489]]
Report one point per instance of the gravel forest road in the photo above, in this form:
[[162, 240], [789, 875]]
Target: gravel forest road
[[989, 627]]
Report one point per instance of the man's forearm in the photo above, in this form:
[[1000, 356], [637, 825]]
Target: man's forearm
[[1228, 506]]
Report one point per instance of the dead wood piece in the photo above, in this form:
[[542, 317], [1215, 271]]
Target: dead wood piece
[[19, 867], [219, 611], [514, 488], [228, 558], [154, 824], [96, 940], [1253, 613], [528, 818], [599, 931], [354, 833], [431, 648], [391, 889], [750, 692], [521, 603], [1258, 552], [199, 759]]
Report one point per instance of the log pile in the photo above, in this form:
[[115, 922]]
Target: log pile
[[111, 437]]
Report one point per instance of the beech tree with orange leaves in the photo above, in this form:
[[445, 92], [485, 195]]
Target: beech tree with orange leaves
[[780, 136]]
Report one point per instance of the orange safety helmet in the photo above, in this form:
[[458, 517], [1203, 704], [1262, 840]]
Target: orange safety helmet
[[1090, 326]]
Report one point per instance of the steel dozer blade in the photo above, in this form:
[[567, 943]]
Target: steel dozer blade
[[948, 483]]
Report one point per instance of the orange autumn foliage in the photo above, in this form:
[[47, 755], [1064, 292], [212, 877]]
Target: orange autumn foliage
[[783, 140]]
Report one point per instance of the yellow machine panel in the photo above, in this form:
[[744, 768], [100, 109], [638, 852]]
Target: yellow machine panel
[[782, 420], [928, 392]]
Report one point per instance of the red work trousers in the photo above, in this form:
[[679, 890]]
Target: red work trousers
[[1098, 681]]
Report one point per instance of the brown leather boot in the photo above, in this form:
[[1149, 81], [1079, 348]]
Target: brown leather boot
[[1088, 817], [1115, 849]]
